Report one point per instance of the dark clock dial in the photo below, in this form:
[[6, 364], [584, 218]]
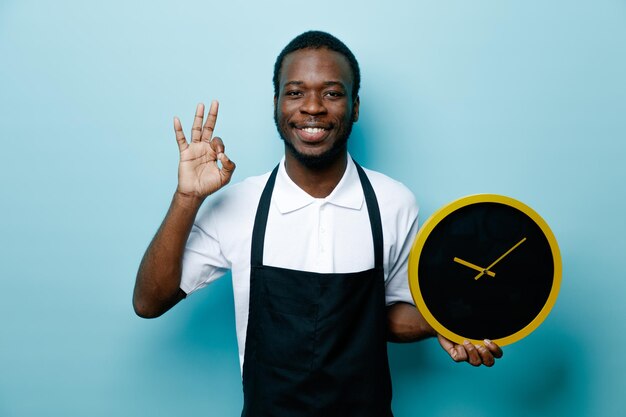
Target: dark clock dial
[[486, 270]]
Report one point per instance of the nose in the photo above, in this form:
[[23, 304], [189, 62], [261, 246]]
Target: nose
[[312, 104]]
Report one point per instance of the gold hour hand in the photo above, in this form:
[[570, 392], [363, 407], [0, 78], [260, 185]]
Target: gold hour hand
[[486, 270], [475, 267]]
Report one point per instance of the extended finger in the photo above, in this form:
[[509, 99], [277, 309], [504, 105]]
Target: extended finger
[[196, 129], [472, 353], [495, 350], [180, 135], [211, 120]]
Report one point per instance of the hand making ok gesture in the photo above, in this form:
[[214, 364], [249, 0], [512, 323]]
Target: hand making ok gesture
[[198, 171]]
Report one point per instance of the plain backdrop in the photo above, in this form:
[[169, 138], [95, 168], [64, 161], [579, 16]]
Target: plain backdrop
[[522, 98]]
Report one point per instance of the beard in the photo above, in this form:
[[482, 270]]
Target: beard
[[324, 159]]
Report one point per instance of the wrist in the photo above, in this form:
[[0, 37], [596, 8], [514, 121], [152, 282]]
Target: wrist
[[188, 201]]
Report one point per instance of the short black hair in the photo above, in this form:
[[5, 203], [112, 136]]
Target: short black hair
[[316, 39]]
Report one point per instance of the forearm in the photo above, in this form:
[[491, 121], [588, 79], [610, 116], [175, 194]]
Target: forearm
[[157, 287], [406, 324]]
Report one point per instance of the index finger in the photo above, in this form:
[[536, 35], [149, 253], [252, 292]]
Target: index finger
[[211, 119]]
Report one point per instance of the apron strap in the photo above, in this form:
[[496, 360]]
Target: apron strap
[[374, 214], [260, 221]]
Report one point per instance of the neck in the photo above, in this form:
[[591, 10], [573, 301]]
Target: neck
[[318, 181]]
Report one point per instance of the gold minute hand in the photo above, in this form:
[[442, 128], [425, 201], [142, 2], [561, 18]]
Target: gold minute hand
[[471, 265], [500, 258]]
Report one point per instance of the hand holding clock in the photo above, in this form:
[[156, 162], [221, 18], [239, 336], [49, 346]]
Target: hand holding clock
[[407, 324], [475, 355]]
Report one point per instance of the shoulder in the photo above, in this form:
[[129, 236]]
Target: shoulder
[[392, 194]]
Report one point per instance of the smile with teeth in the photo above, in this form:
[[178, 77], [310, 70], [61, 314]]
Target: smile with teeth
[[312, 134], [313, 129]]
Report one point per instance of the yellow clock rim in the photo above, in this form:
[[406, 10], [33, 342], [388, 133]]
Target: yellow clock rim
[[434, 220]]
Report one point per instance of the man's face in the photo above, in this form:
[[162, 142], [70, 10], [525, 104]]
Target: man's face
[[314, 110]]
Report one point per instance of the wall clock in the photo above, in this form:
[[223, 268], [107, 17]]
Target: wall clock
[[485, 267]]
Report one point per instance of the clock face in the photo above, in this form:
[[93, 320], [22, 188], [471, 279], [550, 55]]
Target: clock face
[[485, 267]]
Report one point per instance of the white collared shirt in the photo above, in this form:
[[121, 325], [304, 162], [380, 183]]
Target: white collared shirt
[[326, 235]]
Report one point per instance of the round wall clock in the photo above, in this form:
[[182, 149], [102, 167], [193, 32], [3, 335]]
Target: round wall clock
[[485, 267]]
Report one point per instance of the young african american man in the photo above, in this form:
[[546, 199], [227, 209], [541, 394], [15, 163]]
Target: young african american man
[[318, 249]]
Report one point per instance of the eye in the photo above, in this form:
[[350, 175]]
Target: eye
[[334, 94], [293, 93]]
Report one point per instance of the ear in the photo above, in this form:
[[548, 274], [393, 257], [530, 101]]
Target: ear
[[355, 109]]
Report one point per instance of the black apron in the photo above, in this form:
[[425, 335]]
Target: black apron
[[316, 342]]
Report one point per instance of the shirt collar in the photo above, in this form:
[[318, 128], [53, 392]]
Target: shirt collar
[[289, 197]]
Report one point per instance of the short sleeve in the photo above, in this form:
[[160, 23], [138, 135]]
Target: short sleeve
[[397, 283], [203, 260]]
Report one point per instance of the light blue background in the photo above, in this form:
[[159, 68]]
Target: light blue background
[[523, 98]]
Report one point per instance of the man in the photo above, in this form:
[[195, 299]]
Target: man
[[318, 249]]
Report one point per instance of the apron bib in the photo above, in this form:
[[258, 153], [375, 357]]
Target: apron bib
[[316, 342]]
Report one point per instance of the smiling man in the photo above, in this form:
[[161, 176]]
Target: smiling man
[[318, 249], [315, 132]]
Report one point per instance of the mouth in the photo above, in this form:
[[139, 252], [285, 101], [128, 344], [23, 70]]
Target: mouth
[[312, 134]]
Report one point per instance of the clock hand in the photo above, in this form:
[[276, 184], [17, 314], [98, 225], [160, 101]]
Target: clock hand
[[475, 267], [500, 258]]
